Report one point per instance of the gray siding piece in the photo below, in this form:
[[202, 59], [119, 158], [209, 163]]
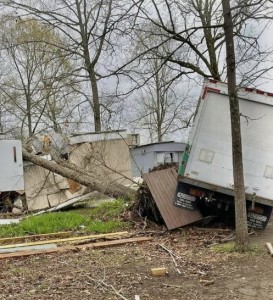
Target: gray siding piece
[[28, 248], [145, 157], [107, 160]]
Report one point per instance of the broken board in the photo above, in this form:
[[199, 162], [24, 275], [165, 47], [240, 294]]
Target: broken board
[[96, 245], [162, 185]]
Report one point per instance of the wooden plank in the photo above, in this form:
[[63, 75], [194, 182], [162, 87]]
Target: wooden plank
[[78, 238], [29, 253], [36, 236], [81, 247], [119, 242], [270, 248], [159, 271]]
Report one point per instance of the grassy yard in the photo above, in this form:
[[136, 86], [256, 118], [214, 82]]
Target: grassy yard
[[101, 219]]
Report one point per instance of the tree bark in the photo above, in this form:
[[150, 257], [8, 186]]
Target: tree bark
[[242, 239], [96, 101], [115, 190]]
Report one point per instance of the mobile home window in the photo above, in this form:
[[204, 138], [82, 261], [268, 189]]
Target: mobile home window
[[166, 157]]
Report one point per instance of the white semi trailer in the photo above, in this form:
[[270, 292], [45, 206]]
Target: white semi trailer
[[205, 180]]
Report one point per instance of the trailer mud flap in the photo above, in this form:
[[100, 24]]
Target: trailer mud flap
[[259, 216], [183, 199]]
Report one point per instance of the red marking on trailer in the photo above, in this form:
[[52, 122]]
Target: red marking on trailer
[[209, 89], [249, 89], [213, 80], [260, 92], [270, 94]]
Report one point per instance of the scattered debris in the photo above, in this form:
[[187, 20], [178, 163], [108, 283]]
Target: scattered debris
[[87, 179], [270, 248], [104, 284], [34, 237], [9, 221], [45, 189], [95, 245], [67, 203], [28, 253], [213, 229], [58, 241], [172, 256], [159, 271], [206, 282], [28, 248], [171, 285]]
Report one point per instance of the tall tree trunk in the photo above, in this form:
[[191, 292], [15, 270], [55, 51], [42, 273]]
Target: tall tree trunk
[[242, 239], [81, 176], [29, 119], [96, 101], [158, 102]]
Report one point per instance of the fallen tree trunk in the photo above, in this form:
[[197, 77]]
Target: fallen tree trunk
[[111, 189]]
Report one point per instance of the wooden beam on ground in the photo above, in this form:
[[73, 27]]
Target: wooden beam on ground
[[75, 248], [115, 242], [36, 236], [57, 241]]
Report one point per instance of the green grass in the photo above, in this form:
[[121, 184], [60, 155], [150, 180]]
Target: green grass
[[230, 248], [108, 210], [102, 219], [225, 248], [107, 226]]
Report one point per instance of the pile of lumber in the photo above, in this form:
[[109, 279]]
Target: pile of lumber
[[60, 243]]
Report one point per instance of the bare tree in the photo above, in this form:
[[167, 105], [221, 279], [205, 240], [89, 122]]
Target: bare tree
[[88, 27], [163, 106], [195, 28], [39, 85]]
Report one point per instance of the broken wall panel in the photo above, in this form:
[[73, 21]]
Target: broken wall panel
[[43, 188], [95, 156], [37, 203], [57, 198], [162, 185], [46, 189]]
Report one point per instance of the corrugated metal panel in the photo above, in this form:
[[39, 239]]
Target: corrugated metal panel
[[162, 185]]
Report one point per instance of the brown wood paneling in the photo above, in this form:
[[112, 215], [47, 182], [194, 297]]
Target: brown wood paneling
[[162, 185]]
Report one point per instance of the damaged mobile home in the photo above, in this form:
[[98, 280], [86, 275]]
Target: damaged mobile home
[[105, 155], [205, 178]]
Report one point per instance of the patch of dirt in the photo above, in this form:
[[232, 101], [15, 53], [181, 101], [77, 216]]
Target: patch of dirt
[[124, 271]]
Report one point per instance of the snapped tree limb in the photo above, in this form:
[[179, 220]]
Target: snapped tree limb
[[111, 189]]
